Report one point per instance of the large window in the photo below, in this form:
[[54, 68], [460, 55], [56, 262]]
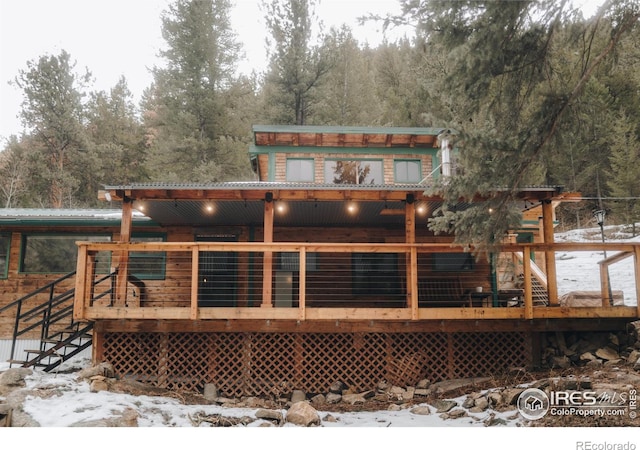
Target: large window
[[407, 171], [147, 265], [57, 253], [300, 169], [342, 171], [5, 240]]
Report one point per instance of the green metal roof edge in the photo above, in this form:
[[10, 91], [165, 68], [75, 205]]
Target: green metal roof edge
[[431, 131], [382, 150]]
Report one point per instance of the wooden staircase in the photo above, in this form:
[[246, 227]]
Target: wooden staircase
[[49, 313]]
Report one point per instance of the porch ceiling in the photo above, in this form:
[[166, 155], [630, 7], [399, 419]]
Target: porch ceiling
[[232, 204]]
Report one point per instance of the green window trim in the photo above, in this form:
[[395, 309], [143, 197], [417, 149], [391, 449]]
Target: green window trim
[[5, 249]]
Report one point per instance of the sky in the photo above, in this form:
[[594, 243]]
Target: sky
[[114, 38]]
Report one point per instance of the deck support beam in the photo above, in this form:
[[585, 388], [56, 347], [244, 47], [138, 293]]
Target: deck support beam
[[123, 259], [267, 267], [549, 257]]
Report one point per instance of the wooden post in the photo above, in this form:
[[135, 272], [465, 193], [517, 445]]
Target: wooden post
[[604, 284], [528, 285], [80, 296], [302, 303], [267, 269], [123, 260], [195, 281], [636, 266], [410, 263], [549, 255]]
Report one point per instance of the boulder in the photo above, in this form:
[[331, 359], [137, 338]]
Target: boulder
[[211, 392], [14, 377], [607, 353], [303, 414], [104, 369], [269, 414], [298, 396], [422, 410], [337, 387], [443, 406]]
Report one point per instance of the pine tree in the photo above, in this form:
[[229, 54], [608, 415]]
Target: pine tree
[[187, 108], [52, 110], [297, 66], [507, 104]]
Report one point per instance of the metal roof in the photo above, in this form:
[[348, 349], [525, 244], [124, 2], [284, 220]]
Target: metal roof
[[432, 131], [296, 204], [64, 216]]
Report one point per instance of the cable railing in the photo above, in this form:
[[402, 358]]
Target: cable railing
[[301, 281]]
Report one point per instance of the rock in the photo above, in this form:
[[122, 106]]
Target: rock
[[329, 418], [456, 413], [382, 386], [211, 392], [423, 384], [587, 356], [14, 377], [422, 410], [422, 392], [607, 353], [494, 398], [633, 357], [443, 406], [337, 387], [298, 396], [269, 414], [333, 398], [318, 399], [98, 385], [469, 402], [303, 414], [394, 407], [510, 395], [105, 369], [613, 362], [481, 403], [353, 399], [408, 395]]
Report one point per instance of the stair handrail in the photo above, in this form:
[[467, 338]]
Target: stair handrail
[[45, 308]]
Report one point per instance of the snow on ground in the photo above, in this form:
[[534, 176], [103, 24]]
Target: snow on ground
[[165, 423]]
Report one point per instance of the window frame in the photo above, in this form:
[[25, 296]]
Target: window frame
[[397, 162], [4, 271], [71, 235], [380, 161], [301, 179]]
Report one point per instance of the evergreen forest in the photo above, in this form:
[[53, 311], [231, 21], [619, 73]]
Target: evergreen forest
[[536, 94]]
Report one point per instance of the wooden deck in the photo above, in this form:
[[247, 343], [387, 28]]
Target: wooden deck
[[178, 294]]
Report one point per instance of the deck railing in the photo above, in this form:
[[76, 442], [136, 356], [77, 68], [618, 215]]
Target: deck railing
[[362, 281]]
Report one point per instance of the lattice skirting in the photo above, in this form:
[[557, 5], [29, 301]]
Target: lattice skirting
[[271, 364]]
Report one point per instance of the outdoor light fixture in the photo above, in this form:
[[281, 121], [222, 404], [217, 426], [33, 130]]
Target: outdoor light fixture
[[268, 197], [599, 216]]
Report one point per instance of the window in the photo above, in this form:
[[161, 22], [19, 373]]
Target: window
[[147, 265], [407, 171], [5, 240], [353, 172], [300, 169], [452, 262], [375, 274], [57, 253]]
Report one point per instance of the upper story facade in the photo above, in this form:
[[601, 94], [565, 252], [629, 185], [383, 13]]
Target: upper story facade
[[351, 155]]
